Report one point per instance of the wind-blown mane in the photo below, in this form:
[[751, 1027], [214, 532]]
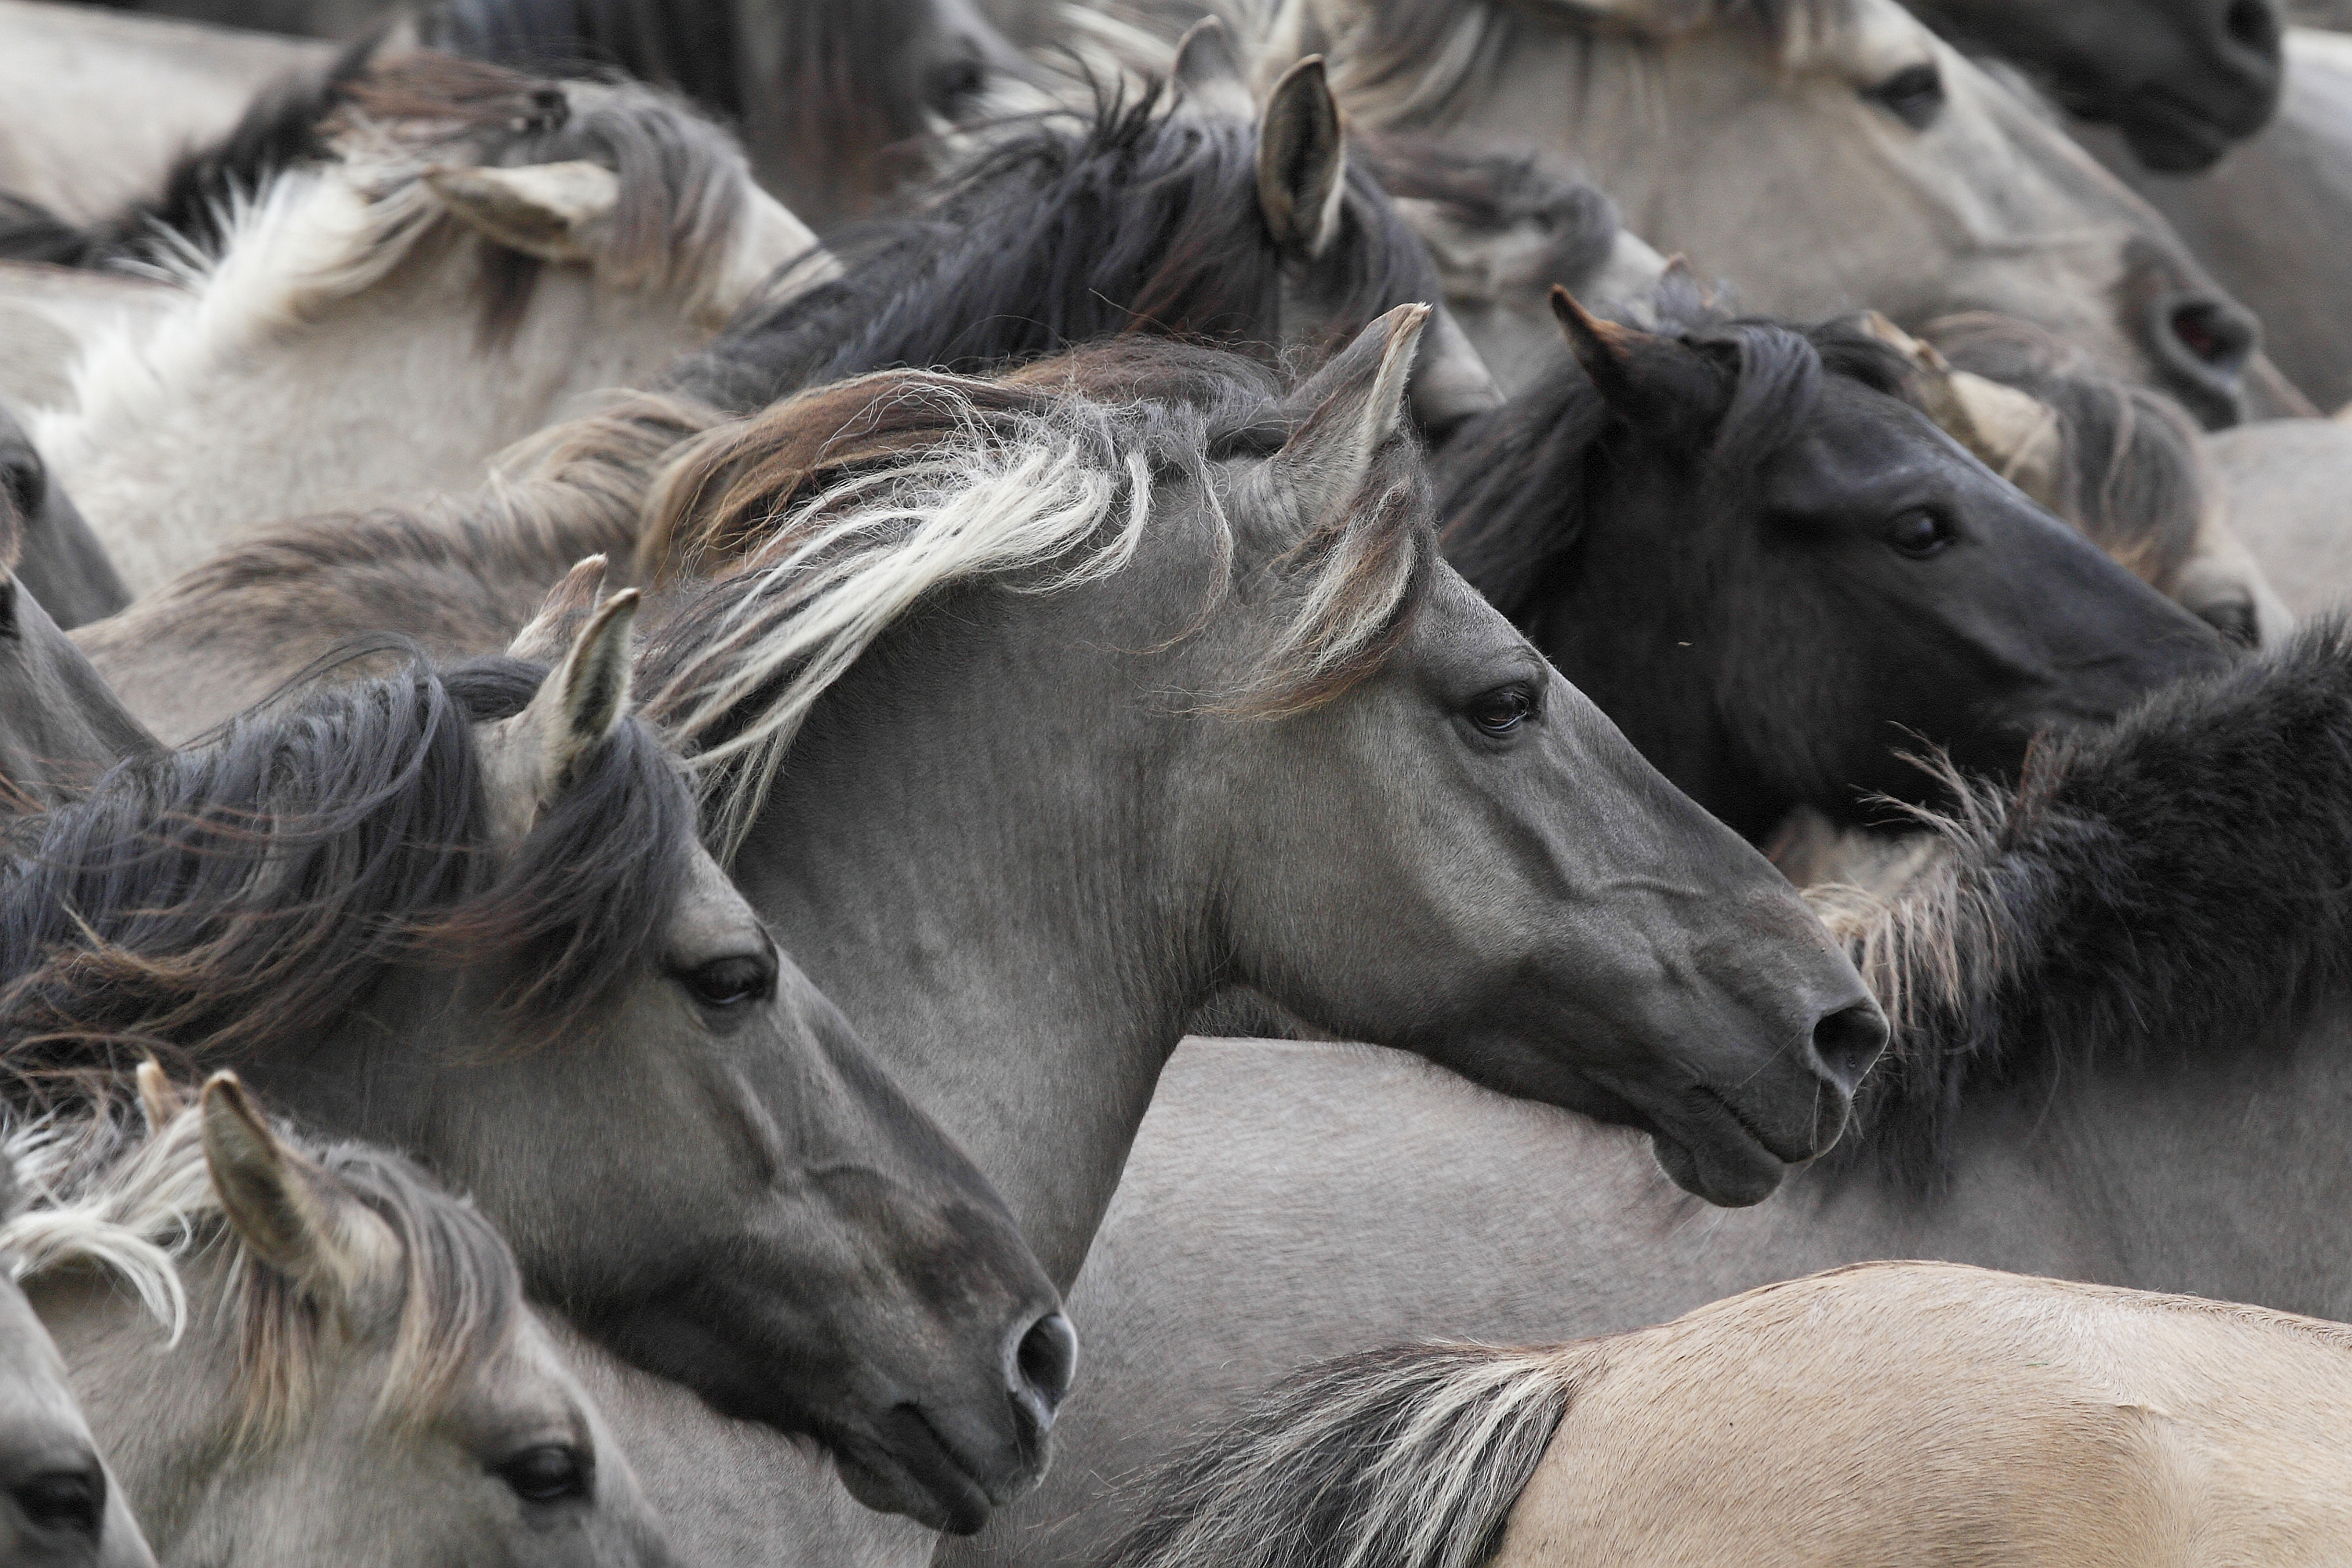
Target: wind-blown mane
[[850, 505], [1143, 219], [1516, 485], [2175, 885], [236, 898], [1491, 193], [1408, 62], [109, 1192]]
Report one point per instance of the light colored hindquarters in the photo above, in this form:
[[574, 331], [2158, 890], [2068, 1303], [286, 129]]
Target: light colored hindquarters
[[1933, 1412], [2286, 486], [99, 102]]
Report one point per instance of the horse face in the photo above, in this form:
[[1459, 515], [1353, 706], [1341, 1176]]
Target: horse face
[[1579, 932], [1888, 594], [58, 1506]]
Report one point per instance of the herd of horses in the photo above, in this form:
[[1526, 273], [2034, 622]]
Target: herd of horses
[[1440, 712]]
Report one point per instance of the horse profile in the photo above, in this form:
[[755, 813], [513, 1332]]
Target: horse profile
[[44, 543], [344, 1369]]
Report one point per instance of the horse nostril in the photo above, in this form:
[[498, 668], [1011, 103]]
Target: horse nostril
[[1044, 1358], [2253, 25], [2213, 334], [1848, 1041]]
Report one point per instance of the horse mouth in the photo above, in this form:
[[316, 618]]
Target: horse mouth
[[1716, 1153], [2171, 135], [908, 1467]]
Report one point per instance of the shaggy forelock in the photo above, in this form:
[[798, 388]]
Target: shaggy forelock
[[108, 1192]]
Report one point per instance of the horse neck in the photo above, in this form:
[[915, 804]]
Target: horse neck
[[969, 852], [147, 460]]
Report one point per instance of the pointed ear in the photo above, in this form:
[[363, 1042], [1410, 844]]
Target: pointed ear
[[1452, 383], [1302, 160], [158, 1100], [283, 1207], [1658, 383], [549, 636], [557, 212], [1603, 349], [1352, 408], [1210, 69], [579, 705]]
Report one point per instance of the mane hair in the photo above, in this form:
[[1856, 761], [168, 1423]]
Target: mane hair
[[1516, 485], [238, 897], [191, 216], [1403, 63], [2132, 471], [2165, 888], [1410, 1456], [138, 1203], [1065, 229], [842, 510], [1492, 193]]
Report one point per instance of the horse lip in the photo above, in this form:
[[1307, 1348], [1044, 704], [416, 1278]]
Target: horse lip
[[2171, 134], [1728, 1135], [1755, 1133], [908, 1451]]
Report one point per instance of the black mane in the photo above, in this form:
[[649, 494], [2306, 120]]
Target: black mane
[[2179, 885], [282, 128], [1515, 486], [1144, 218], [234, 898]]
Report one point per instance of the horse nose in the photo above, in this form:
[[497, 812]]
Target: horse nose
[[1040, 1359], [1848, 1041], [2204, 342], [2253, 25]]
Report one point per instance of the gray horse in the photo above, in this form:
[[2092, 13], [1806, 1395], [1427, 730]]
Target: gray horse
[[2127, 1045], [44, 543], [61, 723]]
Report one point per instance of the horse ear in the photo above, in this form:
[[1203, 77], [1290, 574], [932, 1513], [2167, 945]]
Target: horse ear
[[1352, 408], [1302, 160], [557, 212], [1210, 69], [1658, 383], [1452, 383], [284, 1208], [549, 636], [158, 1100], [579, 705]]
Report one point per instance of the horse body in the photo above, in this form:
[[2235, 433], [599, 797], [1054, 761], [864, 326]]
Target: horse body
[[2282, 484], [49, 314], [68, 72], [377, 329], [2167, 1123], [1878, 167]]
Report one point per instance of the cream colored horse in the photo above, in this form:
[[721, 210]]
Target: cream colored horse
[[1888, 1413], [470, 270]]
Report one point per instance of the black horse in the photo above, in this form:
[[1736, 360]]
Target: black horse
[[1780, 578]]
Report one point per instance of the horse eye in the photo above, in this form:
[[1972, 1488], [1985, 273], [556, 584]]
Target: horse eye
[[1919, 533], [1499, 712], [24, 483], [65, 1499], [727, 982], [548, 1473], [1915, 95]]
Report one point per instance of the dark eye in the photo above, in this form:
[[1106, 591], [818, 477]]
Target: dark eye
[[1919, 533], [546, 1474], [65, 1499], [1915, 95], [727, 982], [24, 483], [1501, 711]]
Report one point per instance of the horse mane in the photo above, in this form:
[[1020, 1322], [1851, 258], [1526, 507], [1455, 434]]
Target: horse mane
[[2167, 888], [239, 897], [1516, 485], [110, 1192], [1142, 218], [2132, 471], [836, 512], [1407, 62], [1492, 193], [847, 101]]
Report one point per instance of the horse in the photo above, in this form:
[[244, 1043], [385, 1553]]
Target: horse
[[60, 724], [348, 1373], [59, 1504], [2181, 80], [101, 105], [1888, 1412], [1874, 166], [2121, 1042], [2122, 463], [486, 250], [825, 92], [2282, 482], [491, 864], [44, 545], [2271, 221], [1778, 577], [1182, 210], [47, 312]]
